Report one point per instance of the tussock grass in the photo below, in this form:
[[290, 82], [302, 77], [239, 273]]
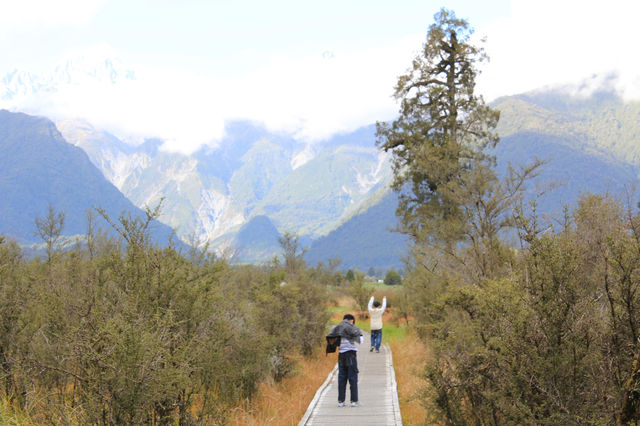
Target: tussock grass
[[286, 402], [11, 415], [409, 357]]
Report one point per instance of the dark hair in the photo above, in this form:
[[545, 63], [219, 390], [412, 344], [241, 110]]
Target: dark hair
[[349, 317], [376, 303]]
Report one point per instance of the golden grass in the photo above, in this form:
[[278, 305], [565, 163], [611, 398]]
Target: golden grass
[[409, 357], [286, 402], [12, 415]]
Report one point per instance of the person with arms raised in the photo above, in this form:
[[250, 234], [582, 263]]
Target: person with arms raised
[[375, 316]]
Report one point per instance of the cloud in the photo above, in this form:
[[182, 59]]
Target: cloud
[[310, 97], [550, 42], [330, 90], [180, 107], [317, 96], [29, 15]]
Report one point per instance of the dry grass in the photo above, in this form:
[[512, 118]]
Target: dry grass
[[285, 403], [341, 299], [409, 357], [12, 415]]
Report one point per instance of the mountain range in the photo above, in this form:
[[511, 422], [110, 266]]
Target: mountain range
[[18, 84], [305, 189], [592, 144], [243, 193]]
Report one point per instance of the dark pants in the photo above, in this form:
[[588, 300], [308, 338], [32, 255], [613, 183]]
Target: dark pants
[[376, 339], [347, 370]]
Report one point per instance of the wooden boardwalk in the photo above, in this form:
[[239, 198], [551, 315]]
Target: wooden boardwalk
[[377, 392]]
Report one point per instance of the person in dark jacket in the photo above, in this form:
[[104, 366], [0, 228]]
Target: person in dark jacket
[[348, 335]]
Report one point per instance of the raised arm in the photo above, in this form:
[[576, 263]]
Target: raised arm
[[384, 303], [370, 305]]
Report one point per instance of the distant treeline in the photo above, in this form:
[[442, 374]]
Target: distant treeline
[[119, 331]]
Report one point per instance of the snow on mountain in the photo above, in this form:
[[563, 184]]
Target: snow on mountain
[[302, 157], [90, 68], [20, 87], [18, 83], [376, 174], [216, 216]]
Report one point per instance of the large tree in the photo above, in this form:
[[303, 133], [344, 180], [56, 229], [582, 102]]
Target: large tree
[[440, 137]]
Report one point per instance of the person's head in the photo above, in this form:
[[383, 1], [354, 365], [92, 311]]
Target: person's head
[[376, 304], [349, 318]]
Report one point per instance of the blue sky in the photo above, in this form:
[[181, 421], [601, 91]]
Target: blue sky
[[309, 68]]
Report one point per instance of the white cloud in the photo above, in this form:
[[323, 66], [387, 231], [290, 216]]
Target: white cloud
[[311, 97], [29, 15], [551, 42], [332, 90], [177, 106], [317, 96]]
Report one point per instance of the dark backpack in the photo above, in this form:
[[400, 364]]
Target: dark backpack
[[332, 344]]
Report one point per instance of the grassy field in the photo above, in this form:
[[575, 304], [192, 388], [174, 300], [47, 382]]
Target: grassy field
[[383, 287]]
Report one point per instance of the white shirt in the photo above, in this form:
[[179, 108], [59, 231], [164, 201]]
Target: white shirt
[[346, 345], [376, 313]]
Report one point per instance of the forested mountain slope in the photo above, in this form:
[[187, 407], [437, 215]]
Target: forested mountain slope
[[39, 168]]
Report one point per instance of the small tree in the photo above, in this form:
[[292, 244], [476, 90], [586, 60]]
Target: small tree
[[392, 278], [49, 228], [359, 292], [293, 253]]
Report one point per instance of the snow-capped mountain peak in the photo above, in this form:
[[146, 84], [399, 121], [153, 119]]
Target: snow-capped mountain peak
[[75, 71]]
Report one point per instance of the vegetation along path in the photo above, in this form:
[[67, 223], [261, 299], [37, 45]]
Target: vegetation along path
[[376, 388]]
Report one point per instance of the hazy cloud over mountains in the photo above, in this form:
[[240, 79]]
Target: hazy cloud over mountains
[[550, 43], [302, 97], [310, 72]]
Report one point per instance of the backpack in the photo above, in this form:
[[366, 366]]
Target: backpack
[[332, 344]]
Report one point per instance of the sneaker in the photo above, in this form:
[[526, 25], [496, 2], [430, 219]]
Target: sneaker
[[378, 350], [356, 404], [341, 404], [371, 350]]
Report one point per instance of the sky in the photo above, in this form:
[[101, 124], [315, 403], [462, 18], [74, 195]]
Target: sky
[[308, 68]]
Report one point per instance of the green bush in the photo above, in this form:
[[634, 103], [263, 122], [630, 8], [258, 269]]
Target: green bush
[[392, 278], [123, 332], [550, 341]]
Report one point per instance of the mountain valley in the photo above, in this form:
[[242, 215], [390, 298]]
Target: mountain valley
[[254, 185]]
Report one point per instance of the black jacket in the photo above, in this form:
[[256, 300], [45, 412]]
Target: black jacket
[[344, 330]]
